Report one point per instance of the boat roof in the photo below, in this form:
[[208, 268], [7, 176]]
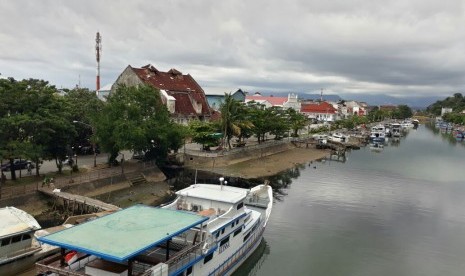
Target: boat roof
[[124, 234], [16, 221], [214, 192]]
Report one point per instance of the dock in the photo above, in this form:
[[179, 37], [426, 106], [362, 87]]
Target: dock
[[78, 202]]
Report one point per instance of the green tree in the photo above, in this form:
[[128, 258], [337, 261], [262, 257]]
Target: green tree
[[205, 133], [134, 118], [297, 121], [230, 119], [33, 121]]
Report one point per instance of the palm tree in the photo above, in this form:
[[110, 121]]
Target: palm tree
[[233, 119]]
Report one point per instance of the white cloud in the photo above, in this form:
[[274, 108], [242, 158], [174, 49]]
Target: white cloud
[[346, 46]]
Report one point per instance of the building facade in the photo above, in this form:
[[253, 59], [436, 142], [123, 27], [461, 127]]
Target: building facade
[[181, 94]]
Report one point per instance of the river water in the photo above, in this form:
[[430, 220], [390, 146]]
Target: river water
[[400, 211]]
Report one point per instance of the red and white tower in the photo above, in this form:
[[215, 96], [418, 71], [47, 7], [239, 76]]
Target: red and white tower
[[98, 50]]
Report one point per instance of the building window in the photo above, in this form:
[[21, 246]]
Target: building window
[[208, 258]]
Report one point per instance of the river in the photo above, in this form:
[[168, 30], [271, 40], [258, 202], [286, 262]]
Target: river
[[400, 211]]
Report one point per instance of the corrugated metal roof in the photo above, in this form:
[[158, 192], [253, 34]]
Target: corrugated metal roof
[[126, 233], [15, 221]]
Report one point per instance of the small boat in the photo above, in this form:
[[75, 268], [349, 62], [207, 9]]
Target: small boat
[[378, 133], [338, 137], [207, 230]]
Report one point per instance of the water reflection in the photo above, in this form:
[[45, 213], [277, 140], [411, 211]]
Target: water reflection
[[253, 264]]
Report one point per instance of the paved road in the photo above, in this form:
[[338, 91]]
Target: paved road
[[82, 161]]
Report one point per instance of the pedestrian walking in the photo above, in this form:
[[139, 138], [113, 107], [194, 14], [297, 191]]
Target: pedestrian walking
[[29, 168]]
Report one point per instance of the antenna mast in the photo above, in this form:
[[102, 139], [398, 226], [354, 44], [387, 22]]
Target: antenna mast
[[98, 49]]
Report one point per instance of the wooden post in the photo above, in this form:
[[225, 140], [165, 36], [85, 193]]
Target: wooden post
[[168, 249], [62, 259]]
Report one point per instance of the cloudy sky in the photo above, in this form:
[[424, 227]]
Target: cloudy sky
[[398, 47]]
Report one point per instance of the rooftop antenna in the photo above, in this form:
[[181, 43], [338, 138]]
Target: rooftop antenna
[[98, 49]]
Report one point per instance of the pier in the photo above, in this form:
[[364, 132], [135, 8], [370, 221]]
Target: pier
[[77, 203]]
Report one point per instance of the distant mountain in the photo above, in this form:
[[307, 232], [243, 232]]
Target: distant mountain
[[414, 102]]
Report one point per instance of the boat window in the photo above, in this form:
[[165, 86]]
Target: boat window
[[237, 231], [247, 236], [217, 234], [189, 271], [16, 239], [240, 205], [208, 258], [222, 231], [224, 241], [5, 241], [26, 237]]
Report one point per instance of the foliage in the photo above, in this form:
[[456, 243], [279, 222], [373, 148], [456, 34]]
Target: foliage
[[456, 118], [204, 133], [134, 118], [234, 119], [456, 102], [84, 107], [296, 120], [34, 121]]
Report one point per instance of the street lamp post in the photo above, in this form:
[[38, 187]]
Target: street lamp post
[[93, 143]]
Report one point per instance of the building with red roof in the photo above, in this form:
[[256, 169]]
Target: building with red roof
[[182, 95], [321, 111]]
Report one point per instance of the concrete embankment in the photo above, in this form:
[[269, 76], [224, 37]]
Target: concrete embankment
[[256, 162]]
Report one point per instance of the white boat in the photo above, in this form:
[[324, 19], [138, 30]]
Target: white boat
[[396, 130], [19, 248], [207, 230], [338, 137], [378, 133]]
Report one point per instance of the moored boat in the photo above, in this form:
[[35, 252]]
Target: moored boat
[[207, 230]]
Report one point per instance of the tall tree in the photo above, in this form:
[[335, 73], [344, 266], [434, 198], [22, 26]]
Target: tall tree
[[33, 121], [134, 118]]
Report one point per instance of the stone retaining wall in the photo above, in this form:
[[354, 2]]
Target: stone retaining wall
[[218, 160]]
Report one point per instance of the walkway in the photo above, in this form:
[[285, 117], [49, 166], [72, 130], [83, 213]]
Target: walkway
[[73, 199]]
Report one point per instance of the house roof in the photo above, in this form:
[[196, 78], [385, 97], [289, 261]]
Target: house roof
[[182, 87], [318, 107], [275, 101], [124, 234]]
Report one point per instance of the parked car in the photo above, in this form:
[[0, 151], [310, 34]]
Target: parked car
[[19, 164]]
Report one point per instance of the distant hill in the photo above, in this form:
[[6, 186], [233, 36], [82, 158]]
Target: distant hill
[[414, 102]]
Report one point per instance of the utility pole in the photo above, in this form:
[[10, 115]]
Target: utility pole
[[98, 50]]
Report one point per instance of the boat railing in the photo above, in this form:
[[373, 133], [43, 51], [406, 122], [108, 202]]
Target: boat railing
[[257, 201], [52, 264], [185, 256], [237, 256]]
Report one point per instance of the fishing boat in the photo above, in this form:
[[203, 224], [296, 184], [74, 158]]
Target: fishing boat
[[207, 230]]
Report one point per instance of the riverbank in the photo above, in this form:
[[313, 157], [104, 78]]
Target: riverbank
[[269, 165]]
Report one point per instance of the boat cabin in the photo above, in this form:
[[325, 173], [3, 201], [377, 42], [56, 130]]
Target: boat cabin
[[16, 234]]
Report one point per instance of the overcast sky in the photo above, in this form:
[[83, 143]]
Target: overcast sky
[[400, 48]]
